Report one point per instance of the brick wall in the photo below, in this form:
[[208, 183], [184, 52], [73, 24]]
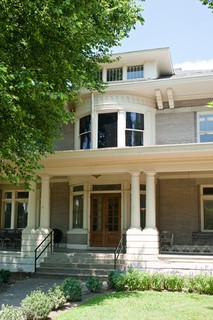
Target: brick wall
[[59, 209], [175, 128], [178, 205]]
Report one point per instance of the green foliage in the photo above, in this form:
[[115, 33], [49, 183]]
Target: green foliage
[[56, 296], [48, 51], [201, 283], [11, 313], [173, 282], [94, 284], [157, 281], [4, 275], [37, 305], [118, 281], [208, 3], [137, 280], [72, 289]]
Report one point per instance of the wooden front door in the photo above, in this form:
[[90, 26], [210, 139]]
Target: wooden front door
[[105, 220]]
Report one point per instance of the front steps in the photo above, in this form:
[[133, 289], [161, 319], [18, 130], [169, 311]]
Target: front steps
[[79, 265]]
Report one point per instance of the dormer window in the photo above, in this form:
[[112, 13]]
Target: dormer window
[[115, 74], [85, 132], [134, 129], [205, 122], [135, 72], [100, 75]]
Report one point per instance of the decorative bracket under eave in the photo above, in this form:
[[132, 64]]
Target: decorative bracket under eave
[[159, 99], [170, 98]]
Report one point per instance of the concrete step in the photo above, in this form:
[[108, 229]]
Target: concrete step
[[80, 265]]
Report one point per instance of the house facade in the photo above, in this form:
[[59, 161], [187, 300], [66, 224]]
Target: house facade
[[137, 161]]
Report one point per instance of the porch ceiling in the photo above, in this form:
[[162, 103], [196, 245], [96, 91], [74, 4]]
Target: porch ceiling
[[167, 158]]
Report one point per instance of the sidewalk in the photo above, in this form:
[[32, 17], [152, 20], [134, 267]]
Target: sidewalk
[[17, 291]]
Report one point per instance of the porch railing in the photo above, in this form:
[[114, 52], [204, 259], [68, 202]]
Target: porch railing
[[49, 244], [121, 247]]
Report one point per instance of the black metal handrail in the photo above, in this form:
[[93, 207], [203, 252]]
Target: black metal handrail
[[120, 248], [49, 244]]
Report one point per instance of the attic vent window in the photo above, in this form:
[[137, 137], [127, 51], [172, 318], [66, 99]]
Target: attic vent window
[[135, 72], [115, 74]]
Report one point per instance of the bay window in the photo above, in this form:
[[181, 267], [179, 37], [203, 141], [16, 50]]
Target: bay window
[[107, 130], [134, 129], [85, 132]]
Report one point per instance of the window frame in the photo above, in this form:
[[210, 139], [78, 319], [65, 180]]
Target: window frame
[[199, 114], [85, 133], [114, 74], [132, 72], [204, 197], [78, 193], [14, 201], [133, 130]]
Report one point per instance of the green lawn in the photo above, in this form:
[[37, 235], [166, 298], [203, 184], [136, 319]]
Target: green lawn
[[144, 305]]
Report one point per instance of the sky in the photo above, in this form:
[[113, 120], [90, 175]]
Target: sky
[[185, 26]]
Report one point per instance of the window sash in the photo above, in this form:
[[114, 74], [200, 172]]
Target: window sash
[[115, 74], [135, 72]]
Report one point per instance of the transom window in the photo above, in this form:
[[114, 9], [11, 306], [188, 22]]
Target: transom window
[[134, 129], [135, 72], [85, 132], [115, 74], [15, 209], [107, 130], [207, 208], [206, 127]]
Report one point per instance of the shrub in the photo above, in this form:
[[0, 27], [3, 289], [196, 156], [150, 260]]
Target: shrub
[[11, 313], [94, 284], [72, 289], [56, 296], [37, 305], [174, 282], [119, 281], [157, 281], [4, 275], [201, 283], [137, 280]]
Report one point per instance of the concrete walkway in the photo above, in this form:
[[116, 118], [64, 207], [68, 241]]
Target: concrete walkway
[[17, 291]]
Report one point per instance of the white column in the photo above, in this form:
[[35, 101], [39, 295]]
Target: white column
[[135, 200], [150, 201], [45, 202], [31, 218]]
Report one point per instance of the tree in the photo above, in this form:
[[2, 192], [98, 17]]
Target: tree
[[208, 3], [49, 49]]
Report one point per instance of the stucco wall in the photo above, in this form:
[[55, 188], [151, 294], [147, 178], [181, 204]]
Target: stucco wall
[[178, 206], [175, 128], [59, 214]]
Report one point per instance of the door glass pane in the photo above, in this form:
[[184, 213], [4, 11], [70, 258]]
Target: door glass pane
[[78, 211], [113, 213], [22, 212], [97, 207], [208, 214], [7, 215], [107, 130]]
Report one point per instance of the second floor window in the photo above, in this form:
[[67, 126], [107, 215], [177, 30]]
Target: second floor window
[[107, 130], [134, 129], [206, 127], [115, 74], [85, 132]]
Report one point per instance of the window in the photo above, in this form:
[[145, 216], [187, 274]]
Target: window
[[15, 209], [107, 130], [85, 132], [115, 74], [78, 211], [206, 127], [207, 208], [135, 72], [99, 75], [134, 129]]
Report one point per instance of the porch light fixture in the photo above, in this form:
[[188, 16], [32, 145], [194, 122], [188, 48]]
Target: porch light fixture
[[96, 176]]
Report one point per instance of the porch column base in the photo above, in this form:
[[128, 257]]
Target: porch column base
[[31, 238], [141, 246]]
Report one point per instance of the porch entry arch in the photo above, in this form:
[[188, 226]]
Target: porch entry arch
[[105, 219]]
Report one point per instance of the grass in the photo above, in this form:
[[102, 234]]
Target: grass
[[146, 305]]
